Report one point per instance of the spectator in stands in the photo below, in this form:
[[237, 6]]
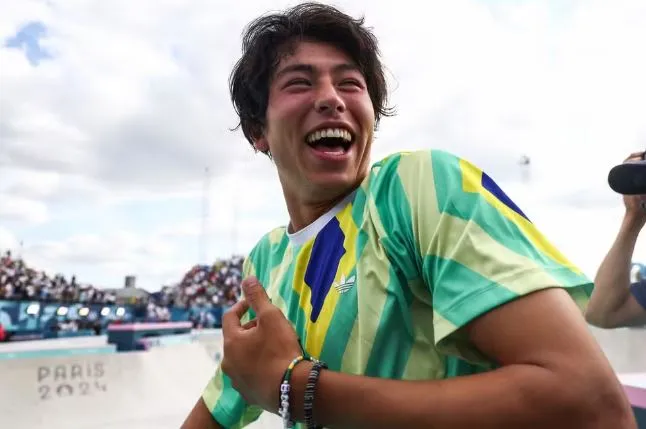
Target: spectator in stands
[[617, 300], [21, 282], [207, 285], [157, 313], [200, 290]]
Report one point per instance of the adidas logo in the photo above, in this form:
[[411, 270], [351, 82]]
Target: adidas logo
[[344, 284]]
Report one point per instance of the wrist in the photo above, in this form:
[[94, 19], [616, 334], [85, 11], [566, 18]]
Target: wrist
[[633, 222], [298, 384], [277, 376]]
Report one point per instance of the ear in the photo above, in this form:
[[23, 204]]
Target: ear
[[261, 144]]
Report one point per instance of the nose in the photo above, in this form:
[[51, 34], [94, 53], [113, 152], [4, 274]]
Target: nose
[[328, 100]]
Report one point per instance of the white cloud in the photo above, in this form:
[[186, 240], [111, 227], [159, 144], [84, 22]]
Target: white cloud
[[7, 240], [23, 209], [103, 148]]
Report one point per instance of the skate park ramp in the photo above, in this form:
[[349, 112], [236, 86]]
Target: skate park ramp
[[55, 347], [158, 387], [211, 340], [625, 348], [55, 343], [134, 390]]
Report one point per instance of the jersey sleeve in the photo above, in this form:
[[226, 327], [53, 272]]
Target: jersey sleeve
[[638, 291], [472, 246], [226, 405]]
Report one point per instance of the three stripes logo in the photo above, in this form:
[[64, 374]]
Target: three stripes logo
[[344, 284]]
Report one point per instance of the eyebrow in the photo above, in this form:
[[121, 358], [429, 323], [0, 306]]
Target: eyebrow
[[310, 69]]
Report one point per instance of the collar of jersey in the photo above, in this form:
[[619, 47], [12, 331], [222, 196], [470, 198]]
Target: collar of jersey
[[304, 235]]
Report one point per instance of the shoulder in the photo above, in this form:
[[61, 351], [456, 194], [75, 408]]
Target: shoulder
[[419, 162], [415, 170]]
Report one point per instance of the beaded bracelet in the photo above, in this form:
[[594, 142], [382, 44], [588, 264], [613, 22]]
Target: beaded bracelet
[[310, 389], [285, 388]]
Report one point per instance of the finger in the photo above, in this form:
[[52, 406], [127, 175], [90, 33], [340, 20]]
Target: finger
[[231, 319], [250, 324], [256, 295], [635, 156]]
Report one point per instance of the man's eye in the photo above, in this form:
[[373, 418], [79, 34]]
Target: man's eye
[[298, 82], [351, 82]]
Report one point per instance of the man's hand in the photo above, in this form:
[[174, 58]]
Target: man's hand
[[635, 204], [257, 353]]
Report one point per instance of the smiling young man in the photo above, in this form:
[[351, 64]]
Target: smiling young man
[[430, 296]]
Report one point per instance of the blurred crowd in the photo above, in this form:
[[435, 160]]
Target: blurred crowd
[[19, 281], [207, 285], [203, 287]]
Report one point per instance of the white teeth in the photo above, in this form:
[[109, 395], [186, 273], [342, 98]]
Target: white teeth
[[329, 132]]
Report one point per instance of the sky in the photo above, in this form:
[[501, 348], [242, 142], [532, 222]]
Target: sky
[[117, 156]]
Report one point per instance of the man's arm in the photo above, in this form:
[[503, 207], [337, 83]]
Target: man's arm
[[612, 304], [200, 418], [553, 375]]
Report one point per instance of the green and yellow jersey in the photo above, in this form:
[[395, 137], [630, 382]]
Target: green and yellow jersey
[[382, 283]]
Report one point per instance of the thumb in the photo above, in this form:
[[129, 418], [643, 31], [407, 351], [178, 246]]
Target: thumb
[[255, 294]]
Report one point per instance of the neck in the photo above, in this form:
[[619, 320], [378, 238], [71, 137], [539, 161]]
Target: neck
[[303, 212]]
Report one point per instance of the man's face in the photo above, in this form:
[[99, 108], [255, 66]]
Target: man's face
[[320, 123]]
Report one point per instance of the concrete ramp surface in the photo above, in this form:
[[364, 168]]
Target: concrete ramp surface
[[124, 390], [154, 389], [625, 348], [54, 343]]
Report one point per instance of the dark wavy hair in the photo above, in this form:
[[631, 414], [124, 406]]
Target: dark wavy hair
[[268, 38]]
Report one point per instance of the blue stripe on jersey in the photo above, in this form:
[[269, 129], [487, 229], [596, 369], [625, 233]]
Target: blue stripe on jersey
[[323, 264], [490, 185]]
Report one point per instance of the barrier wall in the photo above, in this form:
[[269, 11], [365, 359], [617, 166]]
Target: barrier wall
[[128, 337], [25, 317], [35, 318]]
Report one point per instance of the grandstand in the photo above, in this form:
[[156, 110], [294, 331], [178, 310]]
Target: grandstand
[[36, 304]]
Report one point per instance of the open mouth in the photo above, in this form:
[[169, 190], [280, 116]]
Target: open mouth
[[330, 140]]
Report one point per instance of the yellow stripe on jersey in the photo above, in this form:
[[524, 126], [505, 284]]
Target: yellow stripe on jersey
[[472, 183]]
